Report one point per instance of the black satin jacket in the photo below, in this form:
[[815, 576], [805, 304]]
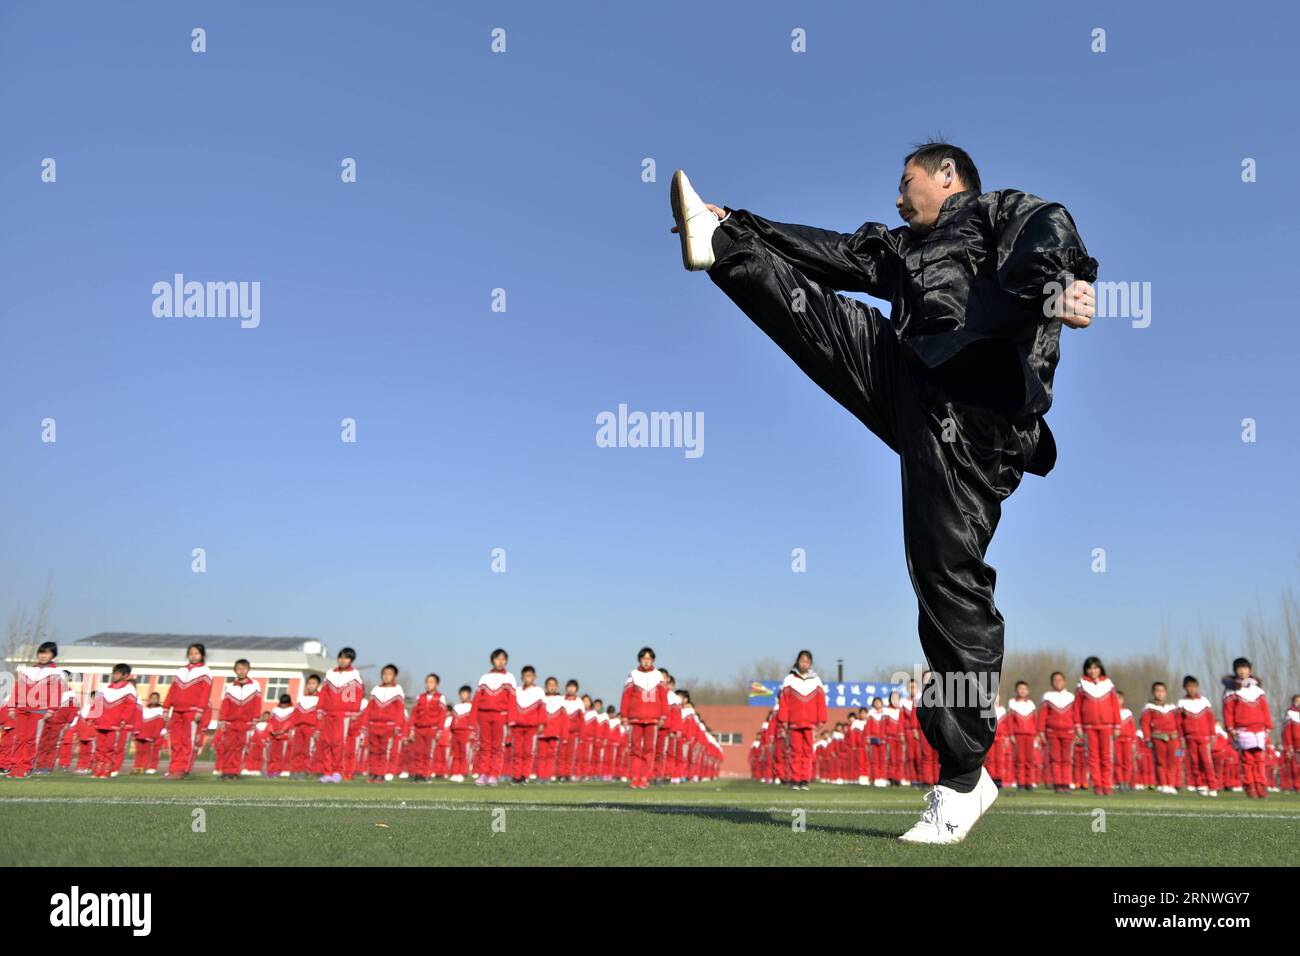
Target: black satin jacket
[[967, 299]]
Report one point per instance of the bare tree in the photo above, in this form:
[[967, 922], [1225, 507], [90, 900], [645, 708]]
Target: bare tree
[[26, 630]]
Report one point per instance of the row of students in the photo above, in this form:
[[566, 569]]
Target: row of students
[[1074, 739], [336, 731]]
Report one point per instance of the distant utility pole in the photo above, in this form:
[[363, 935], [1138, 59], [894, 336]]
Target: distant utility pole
[[839, 670]]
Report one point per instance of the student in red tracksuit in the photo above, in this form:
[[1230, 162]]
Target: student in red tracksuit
[[427, 719], [645, 710], [306, 729], [551, 731], [998, 761], [569, 745], [877, 744], [1056, 730], [148, 735], [341, 695], [115, 713], [1291, 742], [1022, 724], [585, 738], [897, 731], [461, 731], [241, 706], [189, 709], [1248, 721], [802, 711], [1126, 748], [613, 744], [672, 719], [1096, 718], [38, 694], [57, 734], [493, 701], [600, 737], [84, 728], [524, 722], [911, 734], [1196, 724], [279, 737], [929, 757], [1161, 730], [385, 724]]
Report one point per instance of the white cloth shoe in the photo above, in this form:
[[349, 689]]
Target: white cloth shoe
[[695, 224], [950, 815]]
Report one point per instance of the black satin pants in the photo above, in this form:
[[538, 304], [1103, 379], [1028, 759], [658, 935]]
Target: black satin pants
[[959, 461]]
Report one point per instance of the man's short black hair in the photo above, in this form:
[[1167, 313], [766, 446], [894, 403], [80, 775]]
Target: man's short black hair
[[49, 646], [930, 155], [349, 653]]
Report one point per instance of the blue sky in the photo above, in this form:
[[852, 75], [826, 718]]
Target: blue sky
[[476, 429]]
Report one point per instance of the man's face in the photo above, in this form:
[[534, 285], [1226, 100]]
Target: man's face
[[920, 194]]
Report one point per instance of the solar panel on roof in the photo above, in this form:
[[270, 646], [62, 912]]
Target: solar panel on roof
[[127, 639]]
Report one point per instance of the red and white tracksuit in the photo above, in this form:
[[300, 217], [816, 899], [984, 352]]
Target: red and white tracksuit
[[384, 723], [279, 739], [1196, 724], [1247, 718], [462, 727], [1022, 717], [306, 729], [645, 709], [1291, 747], [573, 711], [551, 730], [148, 735], [493, 701], [189, 706], [341, 695], [801, 709], [241, 706], [1096, 713], [39, 693], [427, 719], [1161, 729], [524, 722], [115, 713], [1126, 749], [1056, 725]]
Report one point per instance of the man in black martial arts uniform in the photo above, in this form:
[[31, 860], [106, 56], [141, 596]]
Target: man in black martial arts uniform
[[956, 381]]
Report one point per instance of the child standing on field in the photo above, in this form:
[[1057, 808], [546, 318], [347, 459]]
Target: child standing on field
[[802, 710], [115, 713], [493, 702], [645, 709], [1248, 721], [385, 724], [241, 705], [1096, 716], [1160, 729], [461, 732]]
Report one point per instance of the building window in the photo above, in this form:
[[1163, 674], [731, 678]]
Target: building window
[[275, 686], [165, 680], [730, 738]]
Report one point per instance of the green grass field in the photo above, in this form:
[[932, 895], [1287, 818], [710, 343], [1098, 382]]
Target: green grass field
[[61, 820]]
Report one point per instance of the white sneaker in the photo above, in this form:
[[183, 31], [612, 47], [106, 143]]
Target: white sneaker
[[1211, 793], [950, 815], [695, 224], [864, 781], [880, 782]]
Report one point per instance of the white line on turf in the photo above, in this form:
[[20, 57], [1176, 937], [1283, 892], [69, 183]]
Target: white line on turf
[[483, 807]]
